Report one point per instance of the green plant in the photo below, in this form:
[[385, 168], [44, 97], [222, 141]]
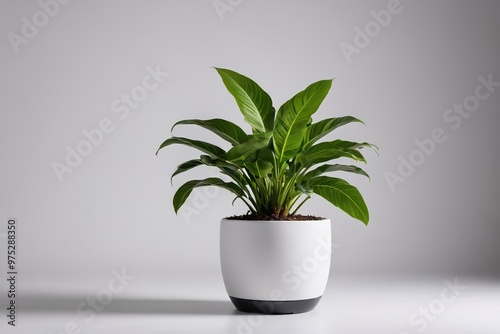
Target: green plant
[[276, 168]]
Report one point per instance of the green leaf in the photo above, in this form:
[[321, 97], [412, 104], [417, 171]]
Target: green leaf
[[318, 130], [210, 149], [228, 168], [254, 143], [224, 129], [185, 190], [333, 150], [322, 153], [255, 104], [265, 153], [343, 144], [208, 161], [334, 168], [185, 166], [341, 194], [259, 168], [293, 116], [304, 188]]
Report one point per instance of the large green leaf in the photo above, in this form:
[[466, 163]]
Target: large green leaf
[[265, 153], [255, 104], [322, 153], [344, 144], [334, 168], [254, 143], [259, 168], [216, 162], [293, 116], [185, 166], [341, 194], [333, 150], [185, 190], [318, 130], [224, 129], [210, 149], [232, 169]]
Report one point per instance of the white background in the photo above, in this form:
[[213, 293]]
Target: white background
[[114, 209]]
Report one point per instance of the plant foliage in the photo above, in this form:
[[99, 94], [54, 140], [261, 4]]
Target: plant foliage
[[276, 168]]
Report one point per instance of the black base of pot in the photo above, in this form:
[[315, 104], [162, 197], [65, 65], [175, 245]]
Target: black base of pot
[[275, 307]]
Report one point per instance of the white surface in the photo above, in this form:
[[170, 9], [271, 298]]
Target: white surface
[[198, 304], [284, 260]]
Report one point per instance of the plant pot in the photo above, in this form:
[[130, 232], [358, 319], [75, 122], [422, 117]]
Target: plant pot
[[275, 267]]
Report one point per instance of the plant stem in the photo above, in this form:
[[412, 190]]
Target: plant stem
[[297, 209]]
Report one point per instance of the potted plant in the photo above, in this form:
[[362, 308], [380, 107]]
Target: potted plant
[[273, 259]]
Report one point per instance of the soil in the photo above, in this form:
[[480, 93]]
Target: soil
[[274, 217]]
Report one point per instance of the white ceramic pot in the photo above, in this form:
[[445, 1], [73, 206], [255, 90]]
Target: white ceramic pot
[[275, 267]]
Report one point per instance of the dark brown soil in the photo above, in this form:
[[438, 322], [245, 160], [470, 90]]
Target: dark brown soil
[[274, 217]]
